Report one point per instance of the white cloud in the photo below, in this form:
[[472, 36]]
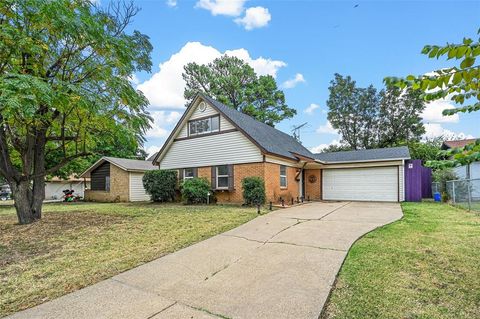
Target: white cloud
[[311, 108], [319, 148], [152, 150], [326, 129], [165, 88], [261, 65], [255, 17], [172, 3], [291, 83], [436, 130], [222, 7], [161, 120], [433, 112]]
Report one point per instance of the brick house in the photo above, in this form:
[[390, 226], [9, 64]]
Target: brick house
[[117, 180], [223, 145]]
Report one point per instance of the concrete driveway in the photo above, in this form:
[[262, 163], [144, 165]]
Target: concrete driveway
[[281, 265]]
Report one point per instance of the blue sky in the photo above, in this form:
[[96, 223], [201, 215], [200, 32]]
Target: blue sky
[[304, 40]]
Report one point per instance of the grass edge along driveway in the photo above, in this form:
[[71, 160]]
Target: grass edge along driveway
[[76, 245], [426, 265]]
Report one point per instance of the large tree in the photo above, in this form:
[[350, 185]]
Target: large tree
[[367, 119], [64, 89], [233, 82], [353, 112], [460, 83], [399, 116]]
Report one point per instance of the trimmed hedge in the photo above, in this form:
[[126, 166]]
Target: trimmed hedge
[[160, 184], [253, 190], [195, 190]]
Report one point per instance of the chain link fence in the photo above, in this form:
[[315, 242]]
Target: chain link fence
[[464, 193]]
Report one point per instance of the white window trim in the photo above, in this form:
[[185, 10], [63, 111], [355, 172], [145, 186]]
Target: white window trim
[[187, 177], [286, 179], [217, 176], [206, 132]]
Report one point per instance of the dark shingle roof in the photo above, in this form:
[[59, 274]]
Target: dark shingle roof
[[270, 139], [365, 155], [131, 165], [152, 157]]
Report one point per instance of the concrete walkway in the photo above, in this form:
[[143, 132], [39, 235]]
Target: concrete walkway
[[281, 265]]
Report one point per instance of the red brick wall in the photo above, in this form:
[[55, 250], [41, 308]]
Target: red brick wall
[[313, 189], [270, 172]]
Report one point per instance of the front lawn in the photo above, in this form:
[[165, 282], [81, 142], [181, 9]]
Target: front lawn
[[426, 265], [78, 244]]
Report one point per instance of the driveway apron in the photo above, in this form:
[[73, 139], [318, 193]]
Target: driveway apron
[[280, 265]]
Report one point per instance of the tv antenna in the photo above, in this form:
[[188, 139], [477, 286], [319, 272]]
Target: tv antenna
[[296, 131]]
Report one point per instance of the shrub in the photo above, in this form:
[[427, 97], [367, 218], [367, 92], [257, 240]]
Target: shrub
[[195, 190], [441, 176], [160, 184], [253, 190]]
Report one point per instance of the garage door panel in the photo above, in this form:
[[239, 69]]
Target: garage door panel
[[137, 192], [363, 184]]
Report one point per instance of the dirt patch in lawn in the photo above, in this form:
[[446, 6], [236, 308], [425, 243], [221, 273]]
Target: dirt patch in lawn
[[21, 242]]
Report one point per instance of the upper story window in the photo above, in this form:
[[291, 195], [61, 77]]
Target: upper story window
[[204, 125], [283, 176]]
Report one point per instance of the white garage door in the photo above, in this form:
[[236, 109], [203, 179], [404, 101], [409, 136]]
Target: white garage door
[[362, 184], [137, 192]]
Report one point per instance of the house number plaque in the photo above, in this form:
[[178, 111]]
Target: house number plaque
[[312, 178]]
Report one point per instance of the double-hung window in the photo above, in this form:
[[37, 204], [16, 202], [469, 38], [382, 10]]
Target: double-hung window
[[204, 126], [222, 177], [283, 176], [188, 173]]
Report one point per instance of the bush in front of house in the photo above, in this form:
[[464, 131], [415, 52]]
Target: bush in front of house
[[195, 190], [253, 190], [160, 184]]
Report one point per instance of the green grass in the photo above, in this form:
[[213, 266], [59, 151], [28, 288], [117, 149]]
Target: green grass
[[426, 265], [75, 245]]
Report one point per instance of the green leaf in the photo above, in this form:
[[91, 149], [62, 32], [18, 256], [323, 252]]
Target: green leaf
[[467, 62], [457, 78]]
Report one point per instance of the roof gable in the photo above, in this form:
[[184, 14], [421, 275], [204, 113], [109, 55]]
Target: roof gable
[[128, 165]]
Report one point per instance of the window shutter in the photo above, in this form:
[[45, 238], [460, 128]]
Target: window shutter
[[195, 172], [180, 176], [214, 177], [231, 184]]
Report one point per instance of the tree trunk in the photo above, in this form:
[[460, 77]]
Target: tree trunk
[[22, 195]]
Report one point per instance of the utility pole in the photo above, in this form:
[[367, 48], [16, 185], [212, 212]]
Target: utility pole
[[296, 131]]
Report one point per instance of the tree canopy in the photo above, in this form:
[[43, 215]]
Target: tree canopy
[[368, 119], [65, 89], [233, 82], [460, 83]]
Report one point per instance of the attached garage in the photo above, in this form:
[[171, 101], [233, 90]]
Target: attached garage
[[364, 175], [362, 184]]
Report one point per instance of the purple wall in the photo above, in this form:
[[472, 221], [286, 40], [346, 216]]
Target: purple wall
[[418, 181], [426, 182]]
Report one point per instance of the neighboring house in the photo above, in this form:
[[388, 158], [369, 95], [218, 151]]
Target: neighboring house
[[470, 171], [117, 180], [54, 187], [223, 145]]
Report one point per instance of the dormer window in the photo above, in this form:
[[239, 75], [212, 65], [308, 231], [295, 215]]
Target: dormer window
[[204, 125]]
